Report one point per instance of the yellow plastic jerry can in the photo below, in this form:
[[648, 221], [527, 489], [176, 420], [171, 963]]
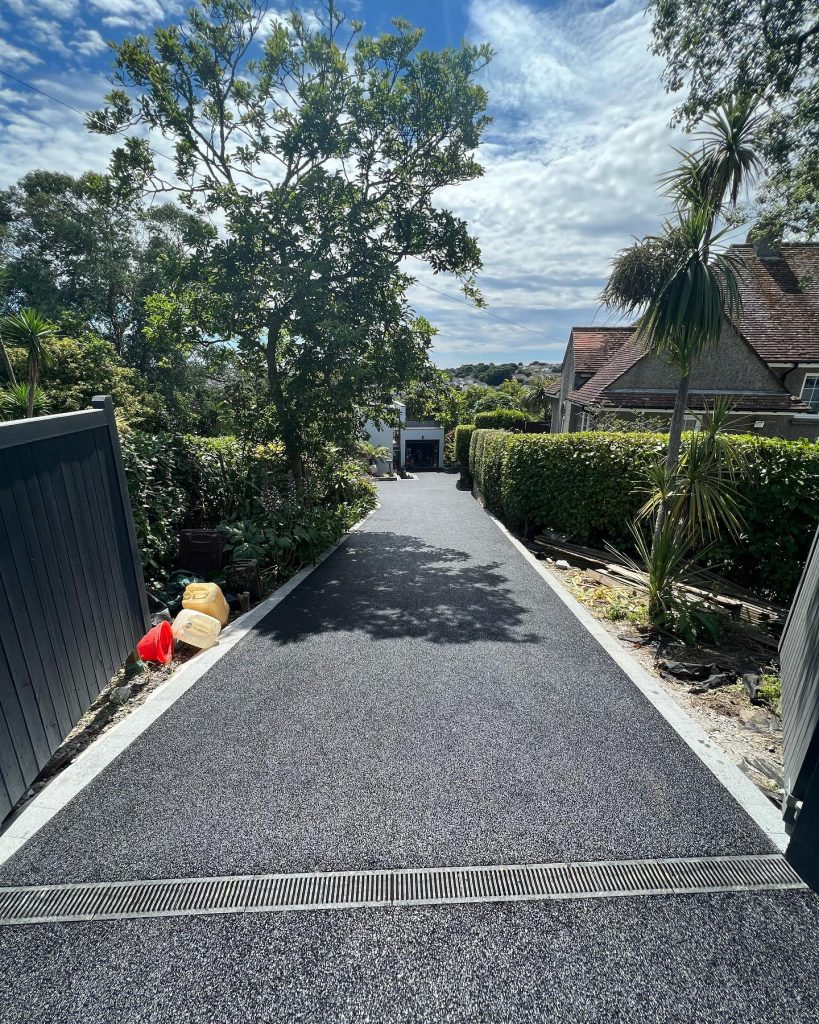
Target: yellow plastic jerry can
[[208, 599]]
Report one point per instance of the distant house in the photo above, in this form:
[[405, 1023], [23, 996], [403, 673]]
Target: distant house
[[414, 444], [767, 362]]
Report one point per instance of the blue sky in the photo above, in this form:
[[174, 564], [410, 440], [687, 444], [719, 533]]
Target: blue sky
[[580, 133]]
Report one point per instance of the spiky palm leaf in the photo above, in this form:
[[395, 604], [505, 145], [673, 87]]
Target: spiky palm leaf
[[14, 402], [684, 317], [731, 142], [32, 332]]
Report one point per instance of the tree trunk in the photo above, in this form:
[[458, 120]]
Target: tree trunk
[[32, 384], [672, 457], [7, 363], [290, 435]]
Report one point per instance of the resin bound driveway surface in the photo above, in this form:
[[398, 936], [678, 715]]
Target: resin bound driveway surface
[[422, 698]]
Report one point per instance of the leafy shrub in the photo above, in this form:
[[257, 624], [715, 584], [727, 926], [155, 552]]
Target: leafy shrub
[[463, 435], [487, 457], [590, 485], [501, 419], [179, 481], [586, 485]]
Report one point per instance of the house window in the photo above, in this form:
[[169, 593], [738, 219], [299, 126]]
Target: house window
[[691, 423], [810, 391]]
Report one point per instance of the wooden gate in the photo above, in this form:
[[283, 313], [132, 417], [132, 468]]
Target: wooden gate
[[799, 659], [72, 596]]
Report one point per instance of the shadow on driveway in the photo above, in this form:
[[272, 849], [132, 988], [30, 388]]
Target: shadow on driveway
[[391, 585]]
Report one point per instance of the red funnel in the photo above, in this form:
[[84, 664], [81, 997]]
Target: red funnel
[[157, 644]]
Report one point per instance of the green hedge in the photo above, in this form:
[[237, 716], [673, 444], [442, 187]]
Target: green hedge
[[463, 435], [589, 485], [487, 456], [501, 419], [180, 481]]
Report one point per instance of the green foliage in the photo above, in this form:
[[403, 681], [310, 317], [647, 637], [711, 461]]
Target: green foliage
[[463, 437], [590, 486], [538, 397], [501, 419], [323, 196], [770, 690], [180, 481], [718, 49], [33, 334], [587, 485], [87, 365], [14, 402], [490, 373], [487, 461], [664, 563], [78, 247]]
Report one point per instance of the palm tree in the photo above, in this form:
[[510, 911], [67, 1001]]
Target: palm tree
[[28, 330], [681, 290], [14, 402], [539, 396], [4, 356]]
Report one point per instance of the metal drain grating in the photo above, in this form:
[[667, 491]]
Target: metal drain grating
[[106, 901]]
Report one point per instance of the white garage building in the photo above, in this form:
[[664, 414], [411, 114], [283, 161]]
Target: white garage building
[[420, 445]]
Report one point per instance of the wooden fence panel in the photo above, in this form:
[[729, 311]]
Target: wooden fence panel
[[72, 597], [799, 660]]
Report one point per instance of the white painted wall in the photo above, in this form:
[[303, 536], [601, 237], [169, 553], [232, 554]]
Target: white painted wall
[[423, 434]]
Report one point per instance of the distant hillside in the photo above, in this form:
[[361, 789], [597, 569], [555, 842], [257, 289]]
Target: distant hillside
[[497, 373]]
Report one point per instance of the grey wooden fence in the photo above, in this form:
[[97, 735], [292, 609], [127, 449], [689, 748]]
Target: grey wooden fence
[[799, 659], [72, 597]]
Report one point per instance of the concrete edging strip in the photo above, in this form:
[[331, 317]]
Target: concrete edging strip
[[99, 754], [746, 794]]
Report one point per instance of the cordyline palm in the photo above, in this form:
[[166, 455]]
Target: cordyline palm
[[29, 331], [681, 290], [4, 356], [538, 397]]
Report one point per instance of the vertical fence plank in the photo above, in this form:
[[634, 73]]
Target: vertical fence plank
[[72, 597]]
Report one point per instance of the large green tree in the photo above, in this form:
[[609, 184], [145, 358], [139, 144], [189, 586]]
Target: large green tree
[[79, 246], [719, 49], [323, 150]]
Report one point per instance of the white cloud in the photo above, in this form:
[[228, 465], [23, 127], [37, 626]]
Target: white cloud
[[88, 41], [580, 135], [56, 8], [16, 57], [133, 12]]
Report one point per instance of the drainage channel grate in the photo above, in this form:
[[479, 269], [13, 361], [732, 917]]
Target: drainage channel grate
[[105, 901]]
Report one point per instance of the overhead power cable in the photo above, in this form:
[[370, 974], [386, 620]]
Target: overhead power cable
[[69, 106], [487, 312]]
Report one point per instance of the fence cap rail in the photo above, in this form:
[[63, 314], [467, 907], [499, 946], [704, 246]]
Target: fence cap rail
[[39, 428]]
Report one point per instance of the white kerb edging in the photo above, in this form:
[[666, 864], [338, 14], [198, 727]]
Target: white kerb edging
[[746, 794], [99, 754]]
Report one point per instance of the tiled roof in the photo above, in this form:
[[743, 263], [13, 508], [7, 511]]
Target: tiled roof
[[593, 347], [697, 400], [624, 357], [780, 302]]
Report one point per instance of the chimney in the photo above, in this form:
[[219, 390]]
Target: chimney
[[765, 242]]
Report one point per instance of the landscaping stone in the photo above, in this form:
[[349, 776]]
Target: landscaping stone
[[688, 670], [713, 682], [751, 681]]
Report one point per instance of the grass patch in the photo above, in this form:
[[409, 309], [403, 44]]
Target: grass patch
[[770, 690]]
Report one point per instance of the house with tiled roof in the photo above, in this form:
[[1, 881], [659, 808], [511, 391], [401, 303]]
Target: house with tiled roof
[[766, 363]]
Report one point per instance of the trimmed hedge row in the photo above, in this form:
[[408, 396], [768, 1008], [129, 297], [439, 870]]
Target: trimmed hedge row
[[501, 419], [589, 486], [487, 458], [463, 435]]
